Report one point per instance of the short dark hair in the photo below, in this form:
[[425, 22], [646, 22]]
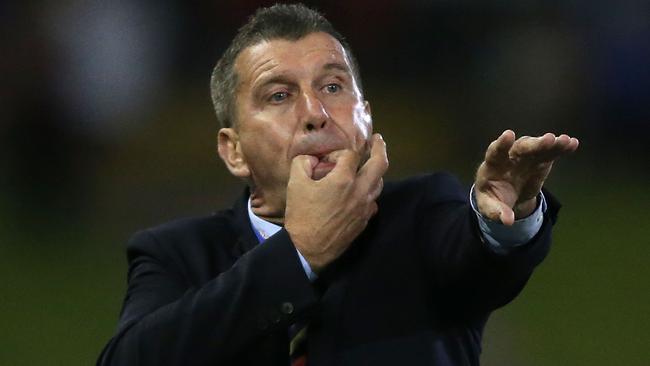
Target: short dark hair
[[281, 21]]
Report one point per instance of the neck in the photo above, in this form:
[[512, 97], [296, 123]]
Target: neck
[[265, 209]]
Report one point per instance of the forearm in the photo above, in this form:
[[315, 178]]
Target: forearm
[[462, 263]]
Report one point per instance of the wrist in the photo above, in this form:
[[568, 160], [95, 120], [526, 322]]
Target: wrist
[[303, 249], [525, 208]]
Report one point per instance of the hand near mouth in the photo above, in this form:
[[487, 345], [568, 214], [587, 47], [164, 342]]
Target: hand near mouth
[[325, 214], [322, 164]]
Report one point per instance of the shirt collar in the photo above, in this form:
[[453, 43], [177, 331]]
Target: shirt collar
[[263, 229]]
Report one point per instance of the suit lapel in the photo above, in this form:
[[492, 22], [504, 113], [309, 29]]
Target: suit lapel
[[245, 237]]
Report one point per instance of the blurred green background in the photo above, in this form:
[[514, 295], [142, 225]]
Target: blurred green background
[[106, 128]]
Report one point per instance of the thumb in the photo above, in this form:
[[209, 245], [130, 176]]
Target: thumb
[[494, 209], [347, 162], [507, 215], [302, 167]]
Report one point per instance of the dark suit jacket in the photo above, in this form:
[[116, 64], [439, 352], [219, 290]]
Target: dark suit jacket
[[415, 288]]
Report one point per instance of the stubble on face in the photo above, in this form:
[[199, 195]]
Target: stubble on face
[[271, 136]]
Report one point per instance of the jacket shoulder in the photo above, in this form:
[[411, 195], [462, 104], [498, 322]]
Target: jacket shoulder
[[180, 237], [197, 225]]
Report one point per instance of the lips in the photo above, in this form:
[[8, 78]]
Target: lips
[[324, 158], [322, 146], [325, 155], [324, 165]]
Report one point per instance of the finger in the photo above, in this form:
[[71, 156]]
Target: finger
[[376, 190], [302, 167], [563, 144], [497, 151], [556, 149], [566, 144], [532, 146], [376, 166], [347, 163]]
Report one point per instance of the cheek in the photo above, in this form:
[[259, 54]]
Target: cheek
[[362, 121], [262, 146], [352, 119], [362, 124], [265, 150], [267, 132]]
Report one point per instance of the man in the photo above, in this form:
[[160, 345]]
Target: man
[[318, 261]]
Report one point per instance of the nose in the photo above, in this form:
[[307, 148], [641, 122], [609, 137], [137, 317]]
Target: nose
[[314, 113]]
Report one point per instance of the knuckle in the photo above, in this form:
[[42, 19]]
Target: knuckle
[[343, 180], [385, 163], [350, 156], [382, 145], [338, 183]]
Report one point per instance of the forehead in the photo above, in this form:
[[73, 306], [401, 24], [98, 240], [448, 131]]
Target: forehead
[[282, 54]]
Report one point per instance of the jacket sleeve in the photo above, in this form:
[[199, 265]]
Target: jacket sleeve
[[474, 278], [164, 321]]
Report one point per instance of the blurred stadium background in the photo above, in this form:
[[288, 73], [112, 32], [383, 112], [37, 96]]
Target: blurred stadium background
[[106, 127]]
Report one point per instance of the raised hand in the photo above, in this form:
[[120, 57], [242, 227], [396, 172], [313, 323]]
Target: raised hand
[[324, 216], [513, 172]]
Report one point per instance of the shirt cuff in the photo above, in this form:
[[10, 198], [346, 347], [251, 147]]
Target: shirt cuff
[[501, 238], [305, 265]]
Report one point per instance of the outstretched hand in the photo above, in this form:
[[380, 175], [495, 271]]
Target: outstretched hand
[[513, 172]]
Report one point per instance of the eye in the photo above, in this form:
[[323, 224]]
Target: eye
[[332, 88], [278, 97]]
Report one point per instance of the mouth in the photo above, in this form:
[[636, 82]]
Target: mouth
[[324, 150], [324, 165]]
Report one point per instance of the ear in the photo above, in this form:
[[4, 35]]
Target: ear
[[230, 152]]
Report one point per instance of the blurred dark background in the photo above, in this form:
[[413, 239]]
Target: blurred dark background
[[106, 127]]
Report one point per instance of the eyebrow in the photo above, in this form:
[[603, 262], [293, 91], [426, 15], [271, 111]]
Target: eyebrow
[[337, 66], [259, 86], [285, 79], [275, 79]]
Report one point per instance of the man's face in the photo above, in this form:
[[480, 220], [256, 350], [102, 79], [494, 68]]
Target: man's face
[[296, 98]]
